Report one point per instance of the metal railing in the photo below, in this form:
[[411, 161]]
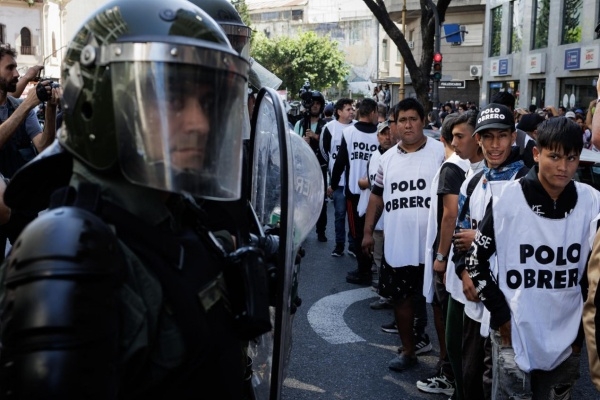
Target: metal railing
[[27, 50]]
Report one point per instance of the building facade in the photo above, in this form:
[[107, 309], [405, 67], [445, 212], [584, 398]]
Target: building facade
[[545, 52], [462, 62]]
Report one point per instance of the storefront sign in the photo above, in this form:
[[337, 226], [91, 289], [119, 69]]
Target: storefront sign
[[572, 58], [453, 85], [589, 58], [504, 66], [536, 63], [494, 68]]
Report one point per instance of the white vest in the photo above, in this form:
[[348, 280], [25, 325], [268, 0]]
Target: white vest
[[335, 128], [540, 264], [363, 202], [360, 146], [477, 205], [407, 181], [432, 229]]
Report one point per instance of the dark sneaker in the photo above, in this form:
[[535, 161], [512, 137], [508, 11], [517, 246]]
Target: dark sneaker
[[381, 304], [390, 328], [351, 252], [321, 237], [359, 278], [438, 383], [402, 363], [423, 345], [338, 251]]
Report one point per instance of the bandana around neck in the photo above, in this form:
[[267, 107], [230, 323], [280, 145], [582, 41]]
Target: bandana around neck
[[503, 173]]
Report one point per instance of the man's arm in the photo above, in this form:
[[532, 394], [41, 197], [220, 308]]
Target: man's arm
[[478, 267], [49, 134], [341, 162], [596, 120], [447, 225], [325, 143], [29, 76], [10, 126], [374, 211]]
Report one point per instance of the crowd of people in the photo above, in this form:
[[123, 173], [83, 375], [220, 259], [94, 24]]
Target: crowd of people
[[489, 225]]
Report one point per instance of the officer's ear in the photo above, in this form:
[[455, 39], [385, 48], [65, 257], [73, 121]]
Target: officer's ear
[[536, 154]]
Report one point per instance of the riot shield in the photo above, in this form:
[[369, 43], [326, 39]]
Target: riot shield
[[287, 191]]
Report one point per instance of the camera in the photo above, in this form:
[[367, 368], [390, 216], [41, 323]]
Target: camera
[[40, 91], [306, 95]]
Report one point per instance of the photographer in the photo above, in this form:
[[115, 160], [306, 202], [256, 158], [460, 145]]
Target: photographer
[[310, 127], [21, 136]]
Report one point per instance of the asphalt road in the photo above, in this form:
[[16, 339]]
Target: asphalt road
[[339, 350]]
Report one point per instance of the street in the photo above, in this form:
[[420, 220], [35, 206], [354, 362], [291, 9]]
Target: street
[[339, 350]]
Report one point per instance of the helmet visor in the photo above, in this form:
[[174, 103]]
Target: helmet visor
[[179, 127]]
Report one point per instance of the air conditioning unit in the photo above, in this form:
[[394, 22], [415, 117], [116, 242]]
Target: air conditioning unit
[[411, 44], [476, 71]]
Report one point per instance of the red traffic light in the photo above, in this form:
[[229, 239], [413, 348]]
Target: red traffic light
[[437, 57]]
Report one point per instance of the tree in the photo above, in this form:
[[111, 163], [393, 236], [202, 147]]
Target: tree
[[294, 60], [419, 74], [242, 9]]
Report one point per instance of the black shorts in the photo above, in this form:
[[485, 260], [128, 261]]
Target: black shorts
[[400, 283]]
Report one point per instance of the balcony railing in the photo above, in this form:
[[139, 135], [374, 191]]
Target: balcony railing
[[28, 50]]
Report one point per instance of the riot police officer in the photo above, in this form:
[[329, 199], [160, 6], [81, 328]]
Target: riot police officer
[[120, 290]]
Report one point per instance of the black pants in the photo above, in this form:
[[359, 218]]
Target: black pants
[[356, 226], [322, 221]]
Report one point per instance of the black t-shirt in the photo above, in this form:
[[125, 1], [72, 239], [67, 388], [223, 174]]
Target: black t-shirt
[[451, 178]]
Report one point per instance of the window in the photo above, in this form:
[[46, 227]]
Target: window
[[384, 50], [571, 29], [2, 33], [26, 42], [398, 56], [297, 15], [516, 36], [541, 9], [53, 44], [496, 31]]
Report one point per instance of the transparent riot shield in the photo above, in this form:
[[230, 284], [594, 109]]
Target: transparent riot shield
[[287, 193]]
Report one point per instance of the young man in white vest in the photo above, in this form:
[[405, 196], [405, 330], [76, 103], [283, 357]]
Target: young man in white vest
[[359, 141], [329, 144], [402, 194], [495, 133], [443, 212], [540, 229]]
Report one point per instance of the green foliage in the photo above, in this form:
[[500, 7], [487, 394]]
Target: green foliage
[[572, 21], [294, 60], [541, 24], [242, 9], [496, 31]]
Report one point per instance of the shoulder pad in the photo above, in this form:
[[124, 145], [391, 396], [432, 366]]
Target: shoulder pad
[[76, 238]]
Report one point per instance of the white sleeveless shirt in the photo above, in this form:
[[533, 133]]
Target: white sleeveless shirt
[[360, 146]]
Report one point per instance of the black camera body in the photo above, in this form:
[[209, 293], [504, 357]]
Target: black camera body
[[40, 90], [306, 95]]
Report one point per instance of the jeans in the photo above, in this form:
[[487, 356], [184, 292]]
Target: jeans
[[339, 205], [510, 382]]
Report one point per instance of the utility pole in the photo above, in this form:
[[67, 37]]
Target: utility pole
[[436, 49], [401, 90]]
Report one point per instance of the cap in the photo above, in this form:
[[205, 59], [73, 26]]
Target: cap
[[382, 125], [494, 116], [570, 114], [529, 122], [579, 111]]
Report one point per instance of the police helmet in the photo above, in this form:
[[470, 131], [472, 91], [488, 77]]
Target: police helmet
[[316, 95], [225, 14], [150, 88]]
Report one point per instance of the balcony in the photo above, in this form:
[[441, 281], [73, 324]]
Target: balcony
[[27, 50]]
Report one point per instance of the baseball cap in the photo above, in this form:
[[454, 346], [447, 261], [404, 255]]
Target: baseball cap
[[382, 125], [529, 122], [570, 114], [494, 116]]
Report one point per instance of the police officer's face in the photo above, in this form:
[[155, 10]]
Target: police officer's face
[[410, 127], [556, 169], [189, 126], [9, 76], [464, 143], [496, 145]]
